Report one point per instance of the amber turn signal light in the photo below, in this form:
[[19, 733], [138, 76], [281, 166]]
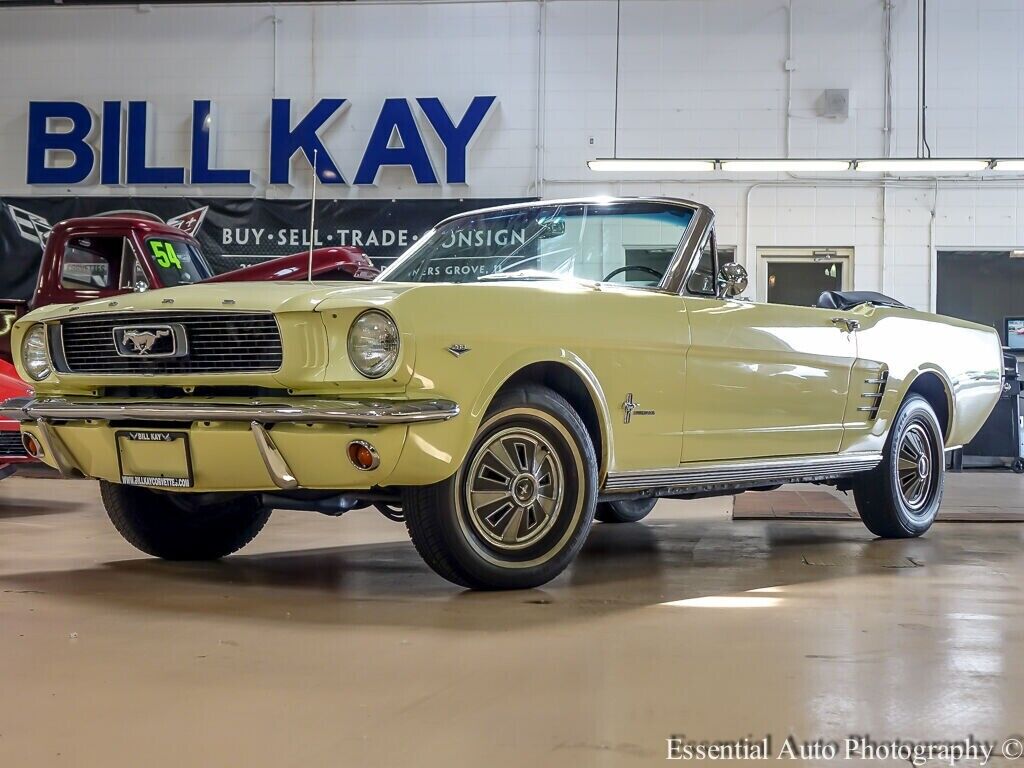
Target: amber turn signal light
[[363, 455], [32, 446]]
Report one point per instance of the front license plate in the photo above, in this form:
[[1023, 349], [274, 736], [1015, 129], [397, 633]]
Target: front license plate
[[154, 458]]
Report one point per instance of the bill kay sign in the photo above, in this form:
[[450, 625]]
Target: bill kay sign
[[68, 143]]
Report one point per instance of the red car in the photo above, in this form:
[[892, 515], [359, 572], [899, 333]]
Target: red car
[[12, 452]]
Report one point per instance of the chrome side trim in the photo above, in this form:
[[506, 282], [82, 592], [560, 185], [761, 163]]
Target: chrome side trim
[[352, 412], [277, 467], [746, 471]]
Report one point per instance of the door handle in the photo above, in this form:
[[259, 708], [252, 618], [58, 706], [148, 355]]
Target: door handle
[[851, 325]]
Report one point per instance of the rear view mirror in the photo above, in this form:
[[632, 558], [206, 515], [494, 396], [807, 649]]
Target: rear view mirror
[[552, 228], [732, 280]]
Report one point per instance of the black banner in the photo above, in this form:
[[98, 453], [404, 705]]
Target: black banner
[[234, 232]]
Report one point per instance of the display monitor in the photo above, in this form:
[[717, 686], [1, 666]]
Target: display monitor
[[1015, 333]]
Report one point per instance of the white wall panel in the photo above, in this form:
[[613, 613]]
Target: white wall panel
[[695, 78]]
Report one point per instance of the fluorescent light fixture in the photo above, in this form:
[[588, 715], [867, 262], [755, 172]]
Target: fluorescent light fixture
[[1008, 165], [782, 165], [652, 165], [922, 165]]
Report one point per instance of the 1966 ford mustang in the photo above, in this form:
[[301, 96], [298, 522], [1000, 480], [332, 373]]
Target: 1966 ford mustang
[[519, 372]]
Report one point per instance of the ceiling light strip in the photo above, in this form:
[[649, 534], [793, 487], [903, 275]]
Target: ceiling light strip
[[928, 165]]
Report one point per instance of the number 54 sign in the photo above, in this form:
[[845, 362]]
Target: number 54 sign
[[164, 253]]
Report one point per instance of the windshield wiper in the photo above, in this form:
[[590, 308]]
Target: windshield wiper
[[522, 274], [536, 274]]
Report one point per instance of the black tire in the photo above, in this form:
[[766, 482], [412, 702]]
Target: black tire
[[499, 544], [631, 511], [173, 527], [1018, 466], [893, 501]]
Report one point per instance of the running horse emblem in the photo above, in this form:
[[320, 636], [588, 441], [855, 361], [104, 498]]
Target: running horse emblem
[[142, 341]]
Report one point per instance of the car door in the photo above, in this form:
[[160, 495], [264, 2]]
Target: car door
[[762, 379]]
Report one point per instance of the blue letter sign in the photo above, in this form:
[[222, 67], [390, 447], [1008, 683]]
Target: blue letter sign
[[456, 138], [395, 119], [62, 150], [41, 142], [285, 141], [138, 137], [203, 143]]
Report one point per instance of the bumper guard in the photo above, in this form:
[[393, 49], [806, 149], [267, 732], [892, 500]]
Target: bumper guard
[[43, 411]]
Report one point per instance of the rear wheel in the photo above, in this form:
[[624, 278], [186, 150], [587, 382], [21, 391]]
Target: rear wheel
[[518, 509], [900, 498], [176, 527], [631, 511]]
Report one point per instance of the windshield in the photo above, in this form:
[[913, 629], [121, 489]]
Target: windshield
[[629, 242], [177, 261]]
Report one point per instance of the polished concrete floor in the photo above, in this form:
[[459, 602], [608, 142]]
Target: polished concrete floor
[[328, 643]]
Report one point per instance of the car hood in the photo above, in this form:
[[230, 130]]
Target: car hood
[[280, 297], [277, 297]]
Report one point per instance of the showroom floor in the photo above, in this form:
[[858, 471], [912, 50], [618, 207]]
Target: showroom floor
[[328, 642]]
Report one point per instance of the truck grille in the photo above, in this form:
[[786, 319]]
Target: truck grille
[[218, 342], [10, 443]]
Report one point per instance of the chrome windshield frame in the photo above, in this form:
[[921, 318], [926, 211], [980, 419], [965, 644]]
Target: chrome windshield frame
[[681, 265]]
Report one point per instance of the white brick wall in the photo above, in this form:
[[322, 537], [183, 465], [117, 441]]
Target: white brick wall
[[696, 78]]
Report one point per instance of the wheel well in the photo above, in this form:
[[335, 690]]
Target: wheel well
[[930, 387], [566, 382]]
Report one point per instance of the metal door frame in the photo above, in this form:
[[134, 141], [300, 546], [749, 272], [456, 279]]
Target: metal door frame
[[801, 255]]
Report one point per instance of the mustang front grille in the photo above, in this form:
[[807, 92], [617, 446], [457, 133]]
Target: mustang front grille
[[10, 444], [204, 342]]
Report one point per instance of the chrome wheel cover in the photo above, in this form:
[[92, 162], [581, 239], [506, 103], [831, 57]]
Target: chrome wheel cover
[[514, 489], [916, 472]]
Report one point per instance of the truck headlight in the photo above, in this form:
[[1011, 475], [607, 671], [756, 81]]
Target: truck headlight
[[373, 343], [34, 356]]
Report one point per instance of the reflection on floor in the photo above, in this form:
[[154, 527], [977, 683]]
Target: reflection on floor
[[328, 642], [971, 496]]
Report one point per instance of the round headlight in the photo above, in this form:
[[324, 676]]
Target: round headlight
[[373, 344], [33, 352]]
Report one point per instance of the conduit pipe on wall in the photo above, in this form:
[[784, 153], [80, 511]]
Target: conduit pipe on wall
[[542, 51], [789, 74]]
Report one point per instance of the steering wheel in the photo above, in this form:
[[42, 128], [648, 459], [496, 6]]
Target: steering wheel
[[639, 267]]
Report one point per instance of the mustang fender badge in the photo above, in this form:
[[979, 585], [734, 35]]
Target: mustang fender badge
[[458, 349], [631, 408]]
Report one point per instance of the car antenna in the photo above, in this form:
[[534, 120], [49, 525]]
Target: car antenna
[[312, 220]]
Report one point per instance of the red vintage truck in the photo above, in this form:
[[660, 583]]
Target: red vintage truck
[[99, 256]]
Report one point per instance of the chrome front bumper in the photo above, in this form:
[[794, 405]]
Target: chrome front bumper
[[358, 413], [350, 412]]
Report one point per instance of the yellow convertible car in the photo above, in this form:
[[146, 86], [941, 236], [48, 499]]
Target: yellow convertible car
[[518, 373]]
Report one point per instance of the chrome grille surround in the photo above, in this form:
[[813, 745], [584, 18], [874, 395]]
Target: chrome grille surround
[[218, 342]]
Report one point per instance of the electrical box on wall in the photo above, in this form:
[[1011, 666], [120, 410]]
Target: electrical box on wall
[[835, 102]]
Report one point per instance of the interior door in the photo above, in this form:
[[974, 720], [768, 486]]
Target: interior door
[[798, 276], [764, 380]]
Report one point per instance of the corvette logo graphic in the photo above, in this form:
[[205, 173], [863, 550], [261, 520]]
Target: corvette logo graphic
[[191, 221], [31, 226], [36, 229]]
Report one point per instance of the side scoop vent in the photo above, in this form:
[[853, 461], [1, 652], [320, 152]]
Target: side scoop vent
[[874, 391]]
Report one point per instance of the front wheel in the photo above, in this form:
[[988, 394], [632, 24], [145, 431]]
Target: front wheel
[[173, 526], [900, 497], [518, 509]]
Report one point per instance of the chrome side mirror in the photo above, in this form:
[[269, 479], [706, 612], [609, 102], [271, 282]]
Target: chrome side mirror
[[732, 280], [140, 286]]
